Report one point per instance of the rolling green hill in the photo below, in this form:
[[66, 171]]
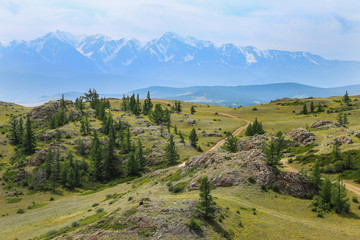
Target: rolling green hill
[[253, 200]]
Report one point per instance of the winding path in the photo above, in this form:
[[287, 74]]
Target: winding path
[[235, 133]]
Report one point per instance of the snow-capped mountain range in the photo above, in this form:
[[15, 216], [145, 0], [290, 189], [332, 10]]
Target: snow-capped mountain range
[[60, 60]]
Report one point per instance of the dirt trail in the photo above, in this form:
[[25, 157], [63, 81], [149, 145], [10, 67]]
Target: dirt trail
[[235, 133], [350, 186], [222, 141]]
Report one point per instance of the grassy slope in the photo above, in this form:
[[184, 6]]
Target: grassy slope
[[283, 217]]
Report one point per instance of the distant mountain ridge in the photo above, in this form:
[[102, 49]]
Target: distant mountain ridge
[[62, 61], [225, 95]]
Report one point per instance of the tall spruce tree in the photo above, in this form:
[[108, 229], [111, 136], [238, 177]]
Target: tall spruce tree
[[139, 155], [132, 166], [29, 141], [304, 110], [325, 192], [193, 138], [230, 144], [192, 110], [96, 157], [339, 199], [346, 98], [312, 107], [147, 107], [336, 156], [109, 160], [171, 154], [206, 205], [14, 137], [315, 176]]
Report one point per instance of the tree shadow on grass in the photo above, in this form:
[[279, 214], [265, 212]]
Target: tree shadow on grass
[[219, 229], [350, 215]]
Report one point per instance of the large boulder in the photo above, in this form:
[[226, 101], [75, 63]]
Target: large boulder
[[254, 142], [322, 123], [302, 136], [231, 169], [211, 134], [342, 140]]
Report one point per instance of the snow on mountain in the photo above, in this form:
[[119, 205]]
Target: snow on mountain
[[170, 60]]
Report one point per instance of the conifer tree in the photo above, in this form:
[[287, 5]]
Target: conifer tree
[[109, 161], [339, 199], [124, 104], [182, 140], [139, 155], [132, 166], [315, 176], [312, 107], [249, 130], [272, 158], [159, 115], [96, 158], [70, 178], [319, 108], [336, 151], [171, 154], [325, 191], [193, 138], [127, 141], [206, 205], [254, 128], [279, 142], [77, 176], [14, 137], [230, 144], [85, 126], [20, 130], [304, 110], [346, 98], [28, 140], [175, 129], [52, 122], [348, 163], [147, 107], [192, 110], [79, 104], [64, 173], [49, 162], [93, 97], [56, 167]]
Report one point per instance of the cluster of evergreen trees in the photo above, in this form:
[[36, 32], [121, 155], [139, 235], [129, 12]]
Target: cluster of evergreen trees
[[313, 109], [342, 119], [22, 135], [177, 107], [331, 196], [160, 115], [254, 128], [57, 120], [58, 171], [130, 104]]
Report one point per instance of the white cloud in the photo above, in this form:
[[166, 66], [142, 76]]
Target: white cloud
[[330, 28]]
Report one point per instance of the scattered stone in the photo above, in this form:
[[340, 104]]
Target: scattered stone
[[342, 140], [322, 123], [211, 134], [302, 136], [138, 131]]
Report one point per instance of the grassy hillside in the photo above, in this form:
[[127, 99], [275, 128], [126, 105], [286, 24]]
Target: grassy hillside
[[113, 208]]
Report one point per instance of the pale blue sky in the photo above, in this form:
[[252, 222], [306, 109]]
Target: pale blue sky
[[330, 28]]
